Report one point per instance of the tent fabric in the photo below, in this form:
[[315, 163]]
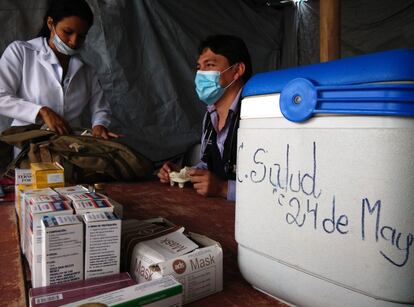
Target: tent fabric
[[145, 52], [152, 51]]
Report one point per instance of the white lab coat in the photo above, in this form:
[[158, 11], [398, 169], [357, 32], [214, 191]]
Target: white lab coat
[[31, 77]]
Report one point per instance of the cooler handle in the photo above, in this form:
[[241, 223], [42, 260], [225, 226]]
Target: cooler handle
[[300, 99]]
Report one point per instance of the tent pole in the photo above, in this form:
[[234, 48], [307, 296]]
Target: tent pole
[[329, 27]]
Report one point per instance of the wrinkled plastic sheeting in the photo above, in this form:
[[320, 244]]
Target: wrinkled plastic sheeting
[[146, 52]]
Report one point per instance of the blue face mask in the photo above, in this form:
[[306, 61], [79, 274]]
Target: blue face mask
[[208, 86], [61, 46]]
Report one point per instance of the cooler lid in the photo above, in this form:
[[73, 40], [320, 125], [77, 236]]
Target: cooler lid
[[373, 84]]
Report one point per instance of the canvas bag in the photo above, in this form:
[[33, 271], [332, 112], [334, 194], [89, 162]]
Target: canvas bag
[[86, 159]]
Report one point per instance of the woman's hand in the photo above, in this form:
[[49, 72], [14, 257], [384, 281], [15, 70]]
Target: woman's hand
[[100, 131], [54, 121]]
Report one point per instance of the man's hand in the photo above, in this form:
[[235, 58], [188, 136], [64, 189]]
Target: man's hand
[[165, 170], [54, 121], [100, 131], [208, 184]]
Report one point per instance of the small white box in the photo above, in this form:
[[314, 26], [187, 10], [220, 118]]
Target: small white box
[[86, 196], [199, 269], [62, 249], [76, 189], [98, 205], [23, 177], [164, 292], [34, 233], [24, 200], [103, 244]]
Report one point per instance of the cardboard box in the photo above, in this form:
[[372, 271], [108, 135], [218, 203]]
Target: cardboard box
[[99, 205], [86, 196], [34, 231], [25, 192], [102, 244], [198, 267], [46, 174], [135, 231], [65, 293], [62, 249], [164, 292], [118, 208], [22, 179], [76, 189]]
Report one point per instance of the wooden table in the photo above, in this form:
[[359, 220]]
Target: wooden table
[[12, 281], [212, 217]]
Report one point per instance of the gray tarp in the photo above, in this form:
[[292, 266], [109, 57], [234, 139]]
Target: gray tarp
[[145, 52]]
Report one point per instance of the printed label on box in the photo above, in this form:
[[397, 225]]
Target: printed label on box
[[23, 176], [103, 244], [48, 298], [55, 178], [62, 249]]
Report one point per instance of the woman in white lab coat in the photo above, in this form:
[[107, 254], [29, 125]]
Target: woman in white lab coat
[[45, 81]]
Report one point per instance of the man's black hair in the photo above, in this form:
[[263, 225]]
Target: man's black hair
[[59, 9], [231, 47]]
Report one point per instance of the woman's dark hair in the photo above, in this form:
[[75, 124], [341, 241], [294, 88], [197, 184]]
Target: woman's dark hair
[[231, 47], [59, 9]]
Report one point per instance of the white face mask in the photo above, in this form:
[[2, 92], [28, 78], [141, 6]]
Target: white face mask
[[61, 46]]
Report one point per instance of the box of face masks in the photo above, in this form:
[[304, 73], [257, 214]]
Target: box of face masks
[[195, 261]]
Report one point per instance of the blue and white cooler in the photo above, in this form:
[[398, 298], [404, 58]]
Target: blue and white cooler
[[325, 182]]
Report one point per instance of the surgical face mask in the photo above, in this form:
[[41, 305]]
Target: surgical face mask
[[208, 86], [61, 46]]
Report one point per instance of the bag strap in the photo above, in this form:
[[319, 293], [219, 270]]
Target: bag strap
[[19, 135]]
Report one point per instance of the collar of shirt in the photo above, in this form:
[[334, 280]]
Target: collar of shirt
[[233, 107], [75, 63]]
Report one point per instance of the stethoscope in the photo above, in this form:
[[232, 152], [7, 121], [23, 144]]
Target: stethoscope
[[228, 167]]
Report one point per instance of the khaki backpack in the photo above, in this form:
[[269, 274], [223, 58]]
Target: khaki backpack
[[86, 159]]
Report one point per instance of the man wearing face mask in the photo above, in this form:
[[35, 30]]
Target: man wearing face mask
[[223, 67], [45, 81]]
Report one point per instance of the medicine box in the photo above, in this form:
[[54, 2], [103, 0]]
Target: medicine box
[[325, 176], [102, 244], [25, 193], [23, 179], [76, 189], [62, 249], [47, 174], [98, 205], [163, 292], [68, 292], [86, 196], [34, 232]]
